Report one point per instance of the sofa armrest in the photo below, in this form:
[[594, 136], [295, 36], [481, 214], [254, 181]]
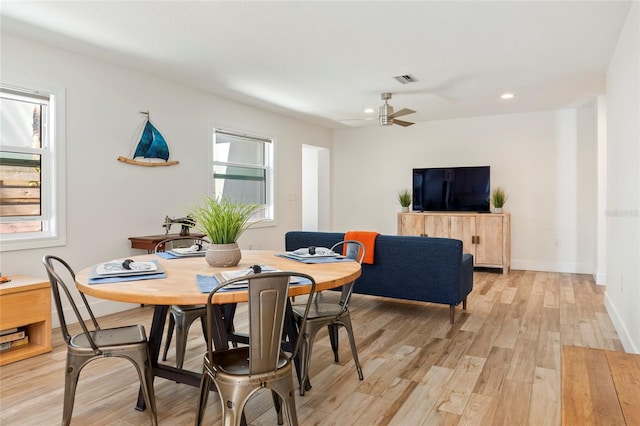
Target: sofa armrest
[[466, 275]]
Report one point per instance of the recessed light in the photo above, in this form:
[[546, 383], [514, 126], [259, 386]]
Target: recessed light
[[507, 96], [369, 110]]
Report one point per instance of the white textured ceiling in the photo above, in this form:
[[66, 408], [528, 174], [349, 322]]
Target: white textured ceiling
[[328, 61]]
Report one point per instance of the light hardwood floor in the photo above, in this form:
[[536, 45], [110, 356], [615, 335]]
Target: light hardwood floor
[[498, 365]]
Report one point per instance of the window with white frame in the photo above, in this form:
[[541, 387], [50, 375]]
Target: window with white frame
[[243, 169], [31, 168]]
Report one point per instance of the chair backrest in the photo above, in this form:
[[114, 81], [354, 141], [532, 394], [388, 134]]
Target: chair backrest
[[58, 287], [268, 297], [355, 250], [180, 242]]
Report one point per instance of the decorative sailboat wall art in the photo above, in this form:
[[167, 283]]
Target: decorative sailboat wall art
[[152, 149]]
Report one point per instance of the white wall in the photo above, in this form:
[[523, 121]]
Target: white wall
[[109, 201], [546, 161], [601, 251], [623, 192], [309, 188]]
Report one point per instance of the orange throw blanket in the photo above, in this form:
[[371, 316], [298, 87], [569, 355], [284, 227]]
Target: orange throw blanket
[[368, 239]]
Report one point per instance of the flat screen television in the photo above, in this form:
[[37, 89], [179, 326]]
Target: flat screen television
[[451, 189]]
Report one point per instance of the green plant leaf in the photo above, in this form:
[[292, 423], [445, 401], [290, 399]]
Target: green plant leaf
[[222, 220], [499, 197], [404, 198]]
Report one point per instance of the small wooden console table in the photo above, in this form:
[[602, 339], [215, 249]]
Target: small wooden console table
[[149, 242], [600, 387]]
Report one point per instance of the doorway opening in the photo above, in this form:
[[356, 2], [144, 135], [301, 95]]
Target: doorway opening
[[315, 188]]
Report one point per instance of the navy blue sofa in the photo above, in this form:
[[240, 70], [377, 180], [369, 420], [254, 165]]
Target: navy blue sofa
[[415, 268]]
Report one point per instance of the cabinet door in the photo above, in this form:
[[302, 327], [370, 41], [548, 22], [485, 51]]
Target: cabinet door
[[489, 249], [436, 226], [411, 224], [463, 228]]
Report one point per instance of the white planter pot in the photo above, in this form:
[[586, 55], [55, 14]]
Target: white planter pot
[[223, 255]]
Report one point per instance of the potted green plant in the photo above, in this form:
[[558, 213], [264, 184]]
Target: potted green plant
[[223, 222], [498, 198], [404, 198]]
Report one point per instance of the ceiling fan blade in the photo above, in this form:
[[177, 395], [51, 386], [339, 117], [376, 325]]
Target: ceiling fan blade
[[402, 123], [358, 119], [403, 111]]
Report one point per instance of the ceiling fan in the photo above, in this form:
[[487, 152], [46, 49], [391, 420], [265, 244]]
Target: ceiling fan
[[386, 115]]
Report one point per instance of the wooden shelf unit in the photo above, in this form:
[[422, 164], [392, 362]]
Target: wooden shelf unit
[[487, 236], [26, 302]]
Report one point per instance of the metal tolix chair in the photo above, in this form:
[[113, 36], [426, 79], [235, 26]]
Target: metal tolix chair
[[331, 315], [182, 316], [129, 342], [239, 372]]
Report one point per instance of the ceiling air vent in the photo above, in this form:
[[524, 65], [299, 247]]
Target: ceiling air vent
[[407, 78]]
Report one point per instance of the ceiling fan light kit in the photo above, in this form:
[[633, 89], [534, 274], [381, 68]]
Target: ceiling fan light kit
[[387, 116]]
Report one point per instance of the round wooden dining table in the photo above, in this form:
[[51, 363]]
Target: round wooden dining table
[[180, 287]]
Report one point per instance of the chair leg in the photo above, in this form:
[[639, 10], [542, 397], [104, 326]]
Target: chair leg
[[277, 403], [181, 341], [172, 325], [305, 357], [306, 348], [291, 409], [203, 323], [205, 383], [346, 322], [333, 336], [142, 362], [286, 392], [183, 324], [74, 365], [233, 400]]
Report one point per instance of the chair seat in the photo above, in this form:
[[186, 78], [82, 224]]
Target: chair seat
[[111, 337], [318, 310], [235, 361]]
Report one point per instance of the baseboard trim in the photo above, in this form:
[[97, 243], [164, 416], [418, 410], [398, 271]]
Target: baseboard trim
[[625, 338], [562, 267], [600, 279]]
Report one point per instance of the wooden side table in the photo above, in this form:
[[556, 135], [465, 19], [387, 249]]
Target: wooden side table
[[149, 242], [26, 302]]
